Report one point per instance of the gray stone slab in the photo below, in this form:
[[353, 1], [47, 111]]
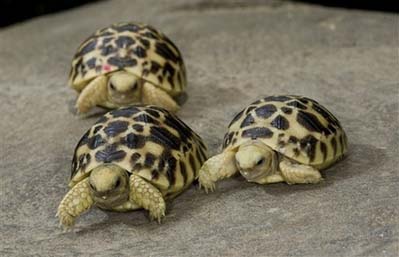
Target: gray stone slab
[[236, 52]]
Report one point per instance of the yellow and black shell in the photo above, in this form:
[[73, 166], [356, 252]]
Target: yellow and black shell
[[134, 47], [148, 140], [295, 126]]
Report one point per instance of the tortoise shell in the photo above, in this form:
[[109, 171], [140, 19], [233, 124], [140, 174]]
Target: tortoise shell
[[295, 126], [144, 139], [134, 47]]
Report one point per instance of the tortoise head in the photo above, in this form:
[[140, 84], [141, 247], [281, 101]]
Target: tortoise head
[[255, 161], [124, 88], [109, 185]]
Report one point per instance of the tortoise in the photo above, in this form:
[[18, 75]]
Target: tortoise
[[127, 63], [132, 157], [281, 138]]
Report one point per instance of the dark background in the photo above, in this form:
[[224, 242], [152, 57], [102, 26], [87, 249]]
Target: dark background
[[13, 11]]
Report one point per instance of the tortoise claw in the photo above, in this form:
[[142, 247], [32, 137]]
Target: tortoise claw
[[208, 186]]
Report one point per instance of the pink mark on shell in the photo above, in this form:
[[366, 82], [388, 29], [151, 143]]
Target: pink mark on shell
[[106, 67]]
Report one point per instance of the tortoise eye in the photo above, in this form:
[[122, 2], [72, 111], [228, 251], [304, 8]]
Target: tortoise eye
[[134, 87], [118, 182], [260, 162], [92, 187], [112, 86]]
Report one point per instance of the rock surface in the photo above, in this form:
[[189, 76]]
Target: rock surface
[[235, 52]]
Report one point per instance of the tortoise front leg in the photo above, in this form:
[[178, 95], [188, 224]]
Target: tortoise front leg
[[156, 96], [95, 93], [274, 178], [294, 173], [147, 196], [215, 168], [127, 206], [76, 201]]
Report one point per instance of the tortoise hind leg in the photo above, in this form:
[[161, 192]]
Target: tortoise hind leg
[[294, 173], [147, 196], [76, 201]]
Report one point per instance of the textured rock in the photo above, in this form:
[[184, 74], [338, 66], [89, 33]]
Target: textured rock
[[236, 52]]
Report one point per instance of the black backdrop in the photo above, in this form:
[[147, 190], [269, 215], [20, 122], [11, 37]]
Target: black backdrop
[[12, 11]]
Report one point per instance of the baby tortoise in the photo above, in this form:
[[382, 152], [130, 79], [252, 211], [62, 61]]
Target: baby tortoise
[[278, 139], [133, 157], [127, 63]]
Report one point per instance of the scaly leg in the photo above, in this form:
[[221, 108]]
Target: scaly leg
[[127, 206], [294, 173], [157, 96], [215, 168], [75, 202], [93, 94], [147, 196], [275, 178]]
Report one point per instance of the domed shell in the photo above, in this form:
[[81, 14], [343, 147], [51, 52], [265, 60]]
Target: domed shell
[[140, 137], [136, 48], [297, 127]]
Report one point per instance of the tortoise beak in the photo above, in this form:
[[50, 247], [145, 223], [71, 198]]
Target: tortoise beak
[[250, 175]]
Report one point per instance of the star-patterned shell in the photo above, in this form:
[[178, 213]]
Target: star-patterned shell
[[297, 127], [144, 139], [134, 47]]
